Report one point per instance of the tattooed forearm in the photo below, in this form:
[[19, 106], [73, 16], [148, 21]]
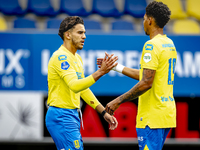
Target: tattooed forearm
[[140, 88], [132, 94]]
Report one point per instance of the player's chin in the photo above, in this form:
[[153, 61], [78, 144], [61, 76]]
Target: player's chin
[[80, 47]]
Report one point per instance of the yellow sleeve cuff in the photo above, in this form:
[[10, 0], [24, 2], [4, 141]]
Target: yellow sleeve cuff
[[89, 98]]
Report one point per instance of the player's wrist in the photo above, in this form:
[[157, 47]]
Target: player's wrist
[[119, 68], [101, 72], [103, 113]]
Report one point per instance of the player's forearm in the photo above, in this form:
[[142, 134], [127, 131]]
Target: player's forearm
[[100, 108], [89, 98], [140, 88], [98, 74], [78, 85], [132, 73]]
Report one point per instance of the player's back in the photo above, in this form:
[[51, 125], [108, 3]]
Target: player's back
[[164, 77], [157, 106]]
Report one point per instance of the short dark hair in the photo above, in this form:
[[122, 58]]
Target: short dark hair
[[160, 12], [69, 23]]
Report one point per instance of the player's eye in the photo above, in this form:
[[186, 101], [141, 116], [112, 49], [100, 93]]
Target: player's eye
[[80, 32]]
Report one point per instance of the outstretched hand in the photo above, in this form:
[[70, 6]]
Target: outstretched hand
[[100, 60], [107, 63]]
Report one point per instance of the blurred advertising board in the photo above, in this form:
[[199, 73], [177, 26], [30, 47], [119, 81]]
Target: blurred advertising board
[[23, 64]]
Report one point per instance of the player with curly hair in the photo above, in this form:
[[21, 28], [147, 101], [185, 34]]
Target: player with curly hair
[[156, 105]]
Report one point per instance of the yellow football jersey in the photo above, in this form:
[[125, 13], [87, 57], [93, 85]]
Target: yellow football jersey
[[156, 107], [66, 81]]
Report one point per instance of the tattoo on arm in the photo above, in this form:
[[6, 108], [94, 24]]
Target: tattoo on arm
[[148, 74], [140, 88], [132, 94]]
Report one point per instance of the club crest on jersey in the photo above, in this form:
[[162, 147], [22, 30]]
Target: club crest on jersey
[[149, 47], [147, 57], [76, 144], [62, 57], [65, 65]]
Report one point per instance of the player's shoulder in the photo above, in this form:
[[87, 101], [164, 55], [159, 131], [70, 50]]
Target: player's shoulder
[[60, 55], [170, 40], [149, 45], [158, 42]]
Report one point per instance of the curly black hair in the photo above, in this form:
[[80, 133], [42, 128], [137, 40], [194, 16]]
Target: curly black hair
[[69, 23], [160, 12]]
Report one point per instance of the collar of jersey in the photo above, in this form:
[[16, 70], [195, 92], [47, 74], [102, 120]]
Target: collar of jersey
[[67, 51], [159, 35]]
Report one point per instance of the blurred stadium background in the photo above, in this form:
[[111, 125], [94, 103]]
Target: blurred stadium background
[[28, 37]]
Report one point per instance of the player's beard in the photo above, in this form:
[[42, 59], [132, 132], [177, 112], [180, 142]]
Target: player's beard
[[146, 33], [76, 44], [145, 30]]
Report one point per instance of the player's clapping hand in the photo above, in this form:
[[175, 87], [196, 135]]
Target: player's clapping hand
[[108, 62], [112, 106], [111, 120], [100, 60]]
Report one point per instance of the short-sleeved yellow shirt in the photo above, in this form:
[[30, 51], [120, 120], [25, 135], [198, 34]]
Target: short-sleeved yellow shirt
[[156, 107]]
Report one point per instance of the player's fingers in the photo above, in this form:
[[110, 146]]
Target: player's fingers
[[116, 123], [109, 57], [113, 124], [112, 60], [99, 63], [99, 59], [108, 109], [113, 65], [111, 112], [106, 54], [105, 58]]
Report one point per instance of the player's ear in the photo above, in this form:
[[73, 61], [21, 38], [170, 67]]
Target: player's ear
[[150, 19], [67, 35]]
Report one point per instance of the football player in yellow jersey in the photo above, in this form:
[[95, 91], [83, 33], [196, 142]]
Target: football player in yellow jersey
[[66, 84], [156, 106]]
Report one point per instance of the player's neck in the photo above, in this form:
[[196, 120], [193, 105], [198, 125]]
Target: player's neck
[[70, 47], [155, 31]]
